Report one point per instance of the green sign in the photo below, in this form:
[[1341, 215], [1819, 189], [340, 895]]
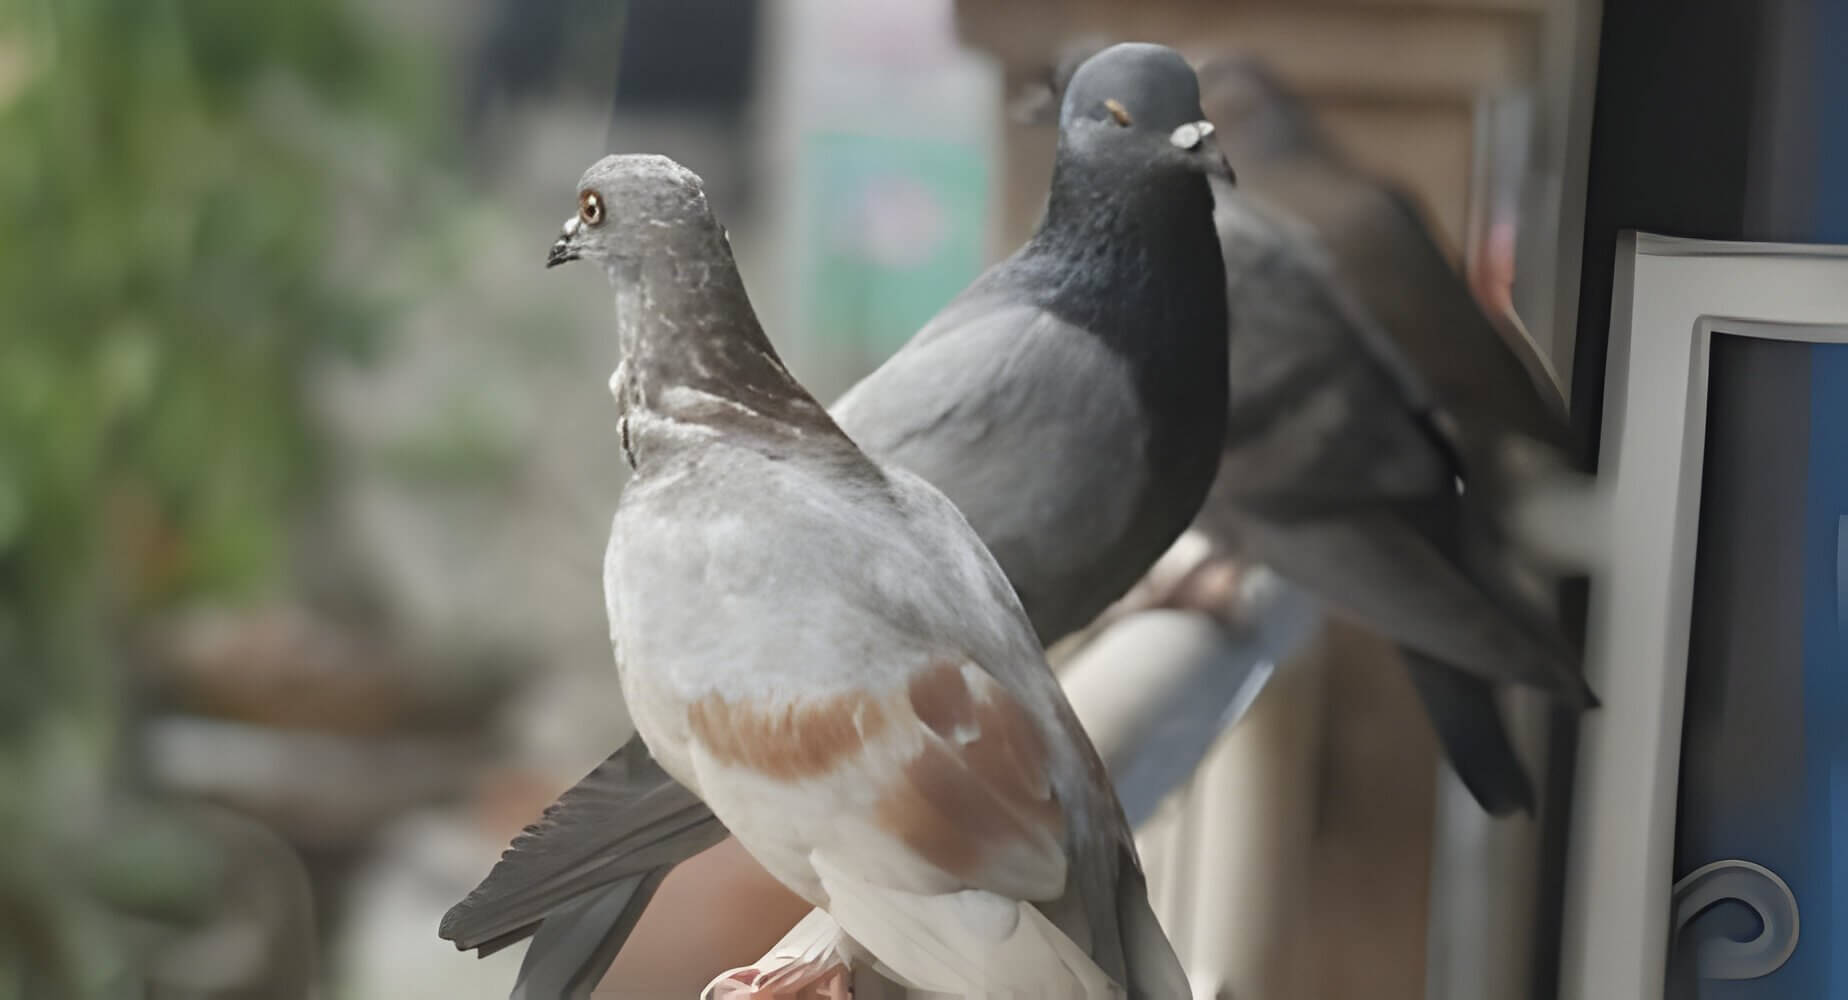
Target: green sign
[[894, 229]]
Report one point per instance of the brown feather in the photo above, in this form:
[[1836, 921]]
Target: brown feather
[[978, 792], [799, 740]]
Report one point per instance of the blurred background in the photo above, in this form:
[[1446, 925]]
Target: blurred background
[[306, 462]]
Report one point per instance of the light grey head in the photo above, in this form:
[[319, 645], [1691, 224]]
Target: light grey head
[[632, 205]]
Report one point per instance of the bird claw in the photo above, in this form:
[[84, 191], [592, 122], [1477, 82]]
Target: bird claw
[[732, 984]]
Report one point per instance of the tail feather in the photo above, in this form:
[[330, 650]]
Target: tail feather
[[1468, 721], [596, 855], [576, 943]]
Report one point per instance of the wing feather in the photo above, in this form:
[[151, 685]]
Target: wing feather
[[956, 768]]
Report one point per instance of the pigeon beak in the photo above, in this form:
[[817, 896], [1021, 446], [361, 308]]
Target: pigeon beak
[[1197, 138], [565, 248], [1223, 167]]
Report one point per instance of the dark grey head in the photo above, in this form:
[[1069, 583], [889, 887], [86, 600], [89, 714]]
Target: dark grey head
[[1258, 117], [1139, 101], [632, 205]]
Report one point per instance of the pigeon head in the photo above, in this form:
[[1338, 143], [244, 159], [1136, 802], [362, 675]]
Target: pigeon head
[[1139, 102], [629, 206]]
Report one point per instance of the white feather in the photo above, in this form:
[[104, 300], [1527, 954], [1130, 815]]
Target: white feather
[[962, 943]]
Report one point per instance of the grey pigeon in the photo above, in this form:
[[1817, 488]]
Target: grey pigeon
[[1070, 403], [1065, 400], [819, 645], [1381, 425]]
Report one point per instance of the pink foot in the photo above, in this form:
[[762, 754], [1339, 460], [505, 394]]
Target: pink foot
[[797, 981]]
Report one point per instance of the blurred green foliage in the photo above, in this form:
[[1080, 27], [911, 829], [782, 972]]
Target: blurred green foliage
[[171, 207]]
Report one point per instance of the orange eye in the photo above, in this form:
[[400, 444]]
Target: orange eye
[[590, 208], [1117, 111]]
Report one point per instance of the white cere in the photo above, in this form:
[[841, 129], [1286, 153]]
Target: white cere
[[571, 226], [1190, 135]]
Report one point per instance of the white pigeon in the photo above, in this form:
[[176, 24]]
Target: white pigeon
[[820, 648]]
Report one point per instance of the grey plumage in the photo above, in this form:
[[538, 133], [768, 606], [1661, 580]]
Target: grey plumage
[[874, 588], [1353, 328], [1070, 403], [1375, 237], [1327, 416], [925, 423]]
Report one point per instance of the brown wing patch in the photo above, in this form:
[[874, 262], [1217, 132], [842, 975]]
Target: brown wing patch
[[977, 793], [799, 740]]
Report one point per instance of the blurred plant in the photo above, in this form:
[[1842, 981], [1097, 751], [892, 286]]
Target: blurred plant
[[170, 202]]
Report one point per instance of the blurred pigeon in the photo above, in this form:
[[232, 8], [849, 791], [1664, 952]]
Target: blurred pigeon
[[1374, 234], [1070, 402], [821, 648], [1381, 427]]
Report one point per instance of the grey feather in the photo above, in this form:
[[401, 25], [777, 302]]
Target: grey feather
[[1365, 315], [1468, 722], [1376, 239], [1326, 415], [575, 945], [625, 818], [1380, 569], [1081, 462]]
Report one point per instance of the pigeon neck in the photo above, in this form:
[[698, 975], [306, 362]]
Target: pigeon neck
[[1128, 255], [1093, 196], [695, 358]]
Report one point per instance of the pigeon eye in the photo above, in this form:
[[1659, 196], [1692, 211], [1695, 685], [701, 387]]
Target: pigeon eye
[[590, 208], [1118, 112]]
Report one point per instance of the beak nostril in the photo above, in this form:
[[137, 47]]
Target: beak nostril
[[1190, 135], [560, 253], [562, 250]]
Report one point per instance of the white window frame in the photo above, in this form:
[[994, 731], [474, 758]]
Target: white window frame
[[1670, 296]]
